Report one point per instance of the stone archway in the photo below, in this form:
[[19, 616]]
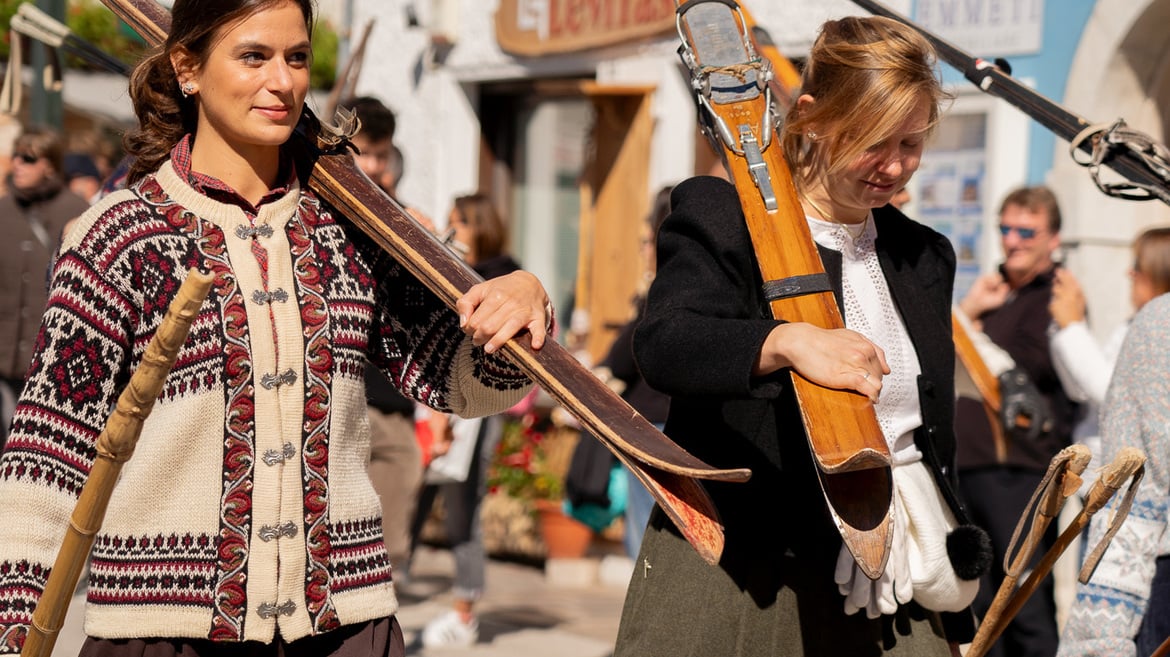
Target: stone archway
[[1121, 70]]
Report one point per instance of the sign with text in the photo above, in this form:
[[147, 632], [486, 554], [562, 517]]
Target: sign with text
[[532, 28], [985, 28]]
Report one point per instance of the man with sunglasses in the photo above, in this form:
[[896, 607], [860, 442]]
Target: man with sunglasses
[[1011, 306], [33, 213]]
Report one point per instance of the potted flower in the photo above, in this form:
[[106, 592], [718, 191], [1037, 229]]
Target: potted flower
[[522, 470]]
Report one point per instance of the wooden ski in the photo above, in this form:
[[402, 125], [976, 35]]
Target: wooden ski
[[669, 472], [732, 90]]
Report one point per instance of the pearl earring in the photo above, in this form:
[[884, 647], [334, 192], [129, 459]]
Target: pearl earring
[[188, 88], [812, 135]]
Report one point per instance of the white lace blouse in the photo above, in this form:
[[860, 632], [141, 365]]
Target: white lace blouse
[[870, 310]]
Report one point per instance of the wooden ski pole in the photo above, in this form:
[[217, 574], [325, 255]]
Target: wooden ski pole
[[115, 446], [1062, 479], [1129, 465]]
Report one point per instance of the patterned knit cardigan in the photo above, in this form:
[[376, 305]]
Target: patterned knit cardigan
[[1109, 609], [246, 508]]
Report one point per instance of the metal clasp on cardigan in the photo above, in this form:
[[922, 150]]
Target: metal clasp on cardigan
[[250, 232], [270, 610], [270, 381], [272, 456], [286, 530], [261, 297]]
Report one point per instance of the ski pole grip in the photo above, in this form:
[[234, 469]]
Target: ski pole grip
[[1113, 476]]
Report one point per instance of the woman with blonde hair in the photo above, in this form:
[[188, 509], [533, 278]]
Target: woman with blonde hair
[[785, 585]]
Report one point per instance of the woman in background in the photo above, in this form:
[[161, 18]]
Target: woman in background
[[482, 236]]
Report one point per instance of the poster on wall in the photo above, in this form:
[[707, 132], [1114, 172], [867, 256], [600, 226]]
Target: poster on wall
[[951, 191], [950, 200]]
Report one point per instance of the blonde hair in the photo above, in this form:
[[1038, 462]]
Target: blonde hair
[[867, 74]]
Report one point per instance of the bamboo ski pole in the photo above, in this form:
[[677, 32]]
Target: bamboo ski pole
[[115, 446], [1129, 465]]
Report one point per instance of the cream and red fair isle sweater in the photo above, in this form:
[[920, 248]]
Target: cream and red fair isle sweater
[[246, 509]]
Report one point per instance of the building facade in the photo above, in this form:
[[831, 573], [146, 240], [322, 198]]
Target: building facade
[[573, 114]]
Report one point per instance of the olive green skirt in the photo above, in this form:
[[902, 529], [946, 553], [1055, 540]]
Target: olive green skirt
[[776, 606]]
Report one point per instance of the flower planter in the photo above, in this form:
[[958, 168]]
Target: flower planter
[[564, 537]]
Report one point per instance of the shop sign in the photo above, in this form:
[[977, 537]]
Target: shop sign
[[532, 28], [985, 28]]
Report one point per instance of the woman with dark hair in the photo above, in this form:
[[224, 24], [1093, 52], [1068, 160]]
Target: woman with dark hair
[[785, 585], [246, 522]]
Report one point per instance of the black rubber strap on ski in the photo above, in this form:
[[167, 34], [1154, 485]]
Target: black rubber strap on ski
[[797, 286]]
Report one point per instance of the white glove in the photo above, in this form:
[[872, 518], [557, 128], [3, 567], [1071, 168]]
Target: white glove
[[883, 595]]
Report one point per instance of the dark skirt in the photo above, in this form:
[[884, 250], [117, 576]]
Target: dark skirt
[[376, 638], [678, 605], [1155, 627]]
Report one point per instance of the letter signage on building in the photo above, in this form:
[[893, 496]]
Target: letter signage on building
[[532, 28], [985, 28]]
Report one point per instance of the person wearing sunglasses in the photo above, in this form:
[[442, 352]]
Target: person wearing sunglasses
[[1011, 306], [34, 213]]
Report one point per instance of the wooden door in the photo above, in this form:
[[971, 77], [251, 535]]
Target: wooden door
[[614, 202]]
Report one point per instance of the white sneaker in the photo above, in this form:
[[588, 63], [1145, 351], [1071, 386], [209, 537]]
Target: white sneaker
[[448, 630]]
